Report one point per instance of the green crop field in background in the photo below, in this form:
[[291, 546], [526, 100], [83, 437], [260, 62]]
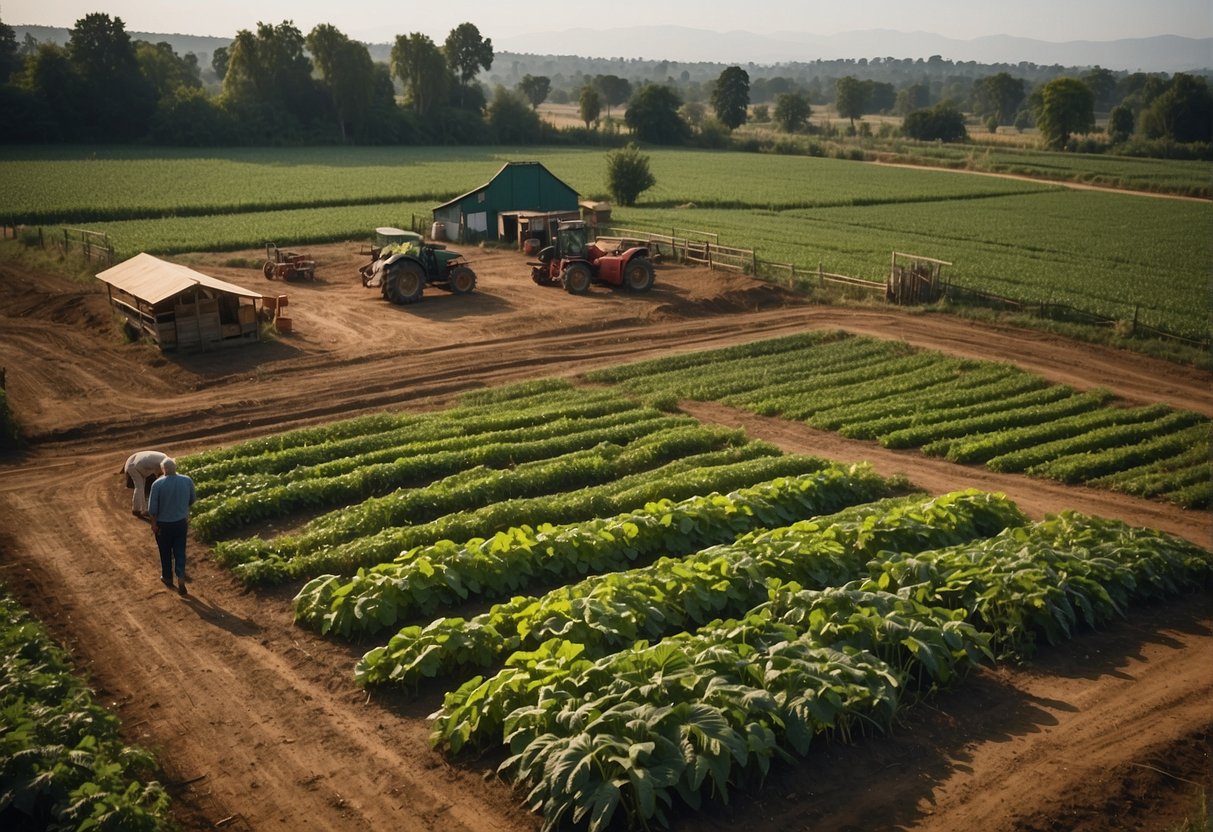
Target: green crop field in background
[[1103, 252], [1119, 255]]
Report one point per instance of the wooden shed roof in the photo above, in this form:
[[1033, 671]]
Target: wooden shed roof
[[153, 280]]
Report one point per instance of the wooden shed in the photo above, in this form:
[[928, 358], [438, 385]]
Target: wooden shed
[[491, 211], [181, 308]]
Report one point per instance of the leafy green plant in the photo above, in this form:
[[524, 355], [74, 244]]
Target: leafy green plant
[[62, 762]]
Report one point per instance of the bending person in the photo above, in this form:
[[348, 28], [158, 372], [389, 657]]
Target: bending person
[[141, 468]]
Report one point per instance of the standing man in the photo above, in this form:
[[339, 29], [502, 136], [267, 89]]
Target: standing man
[[169, 507], [141, 468]]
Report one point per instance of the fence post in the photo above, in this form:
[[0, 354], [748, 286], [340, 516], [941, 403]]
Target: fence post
[[1136, 309], [821, 278]]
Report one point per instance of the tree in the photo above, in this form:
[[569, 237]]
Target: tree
[[269, 82], [1120, 123], [878, 97], [731, 97], [513, 119], [423, 70], [792, 111], [1102, 83], [467, 53], [943, 122], [219, 59], [849, 98], [1184, 113], [589, 105], [998, 96], [56, 93], [164, 69], [348, 73], [911, 98], [10, 53], [693, 113], [188, 116], [628, 174], [118, 101], [535, 88], [1066, 106], [653, 115], [615, 90]]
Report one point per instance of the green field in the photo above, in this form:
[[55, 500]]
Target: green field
[[638, 613], [1120, 256], [1104, 253]]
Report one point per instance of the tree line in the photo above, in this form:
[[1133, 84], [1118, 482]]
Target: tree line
[[280, 86]]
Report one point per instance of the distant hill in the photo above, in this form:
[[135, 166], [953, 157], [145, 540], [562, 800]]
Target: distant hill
[[199, 44], [1163, 53]]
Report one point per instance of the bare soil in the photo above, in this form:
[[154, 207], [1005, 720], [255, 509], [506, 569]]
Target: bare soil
[[258, 724]]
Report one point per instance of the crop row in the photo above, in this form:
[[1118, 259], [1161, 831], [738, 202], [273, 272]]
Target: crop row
[[968, 411], [699, 712], [554, 464], [720, 470], [444, 574], [63, 764], [248, 464], [238, 507], [604, 613]]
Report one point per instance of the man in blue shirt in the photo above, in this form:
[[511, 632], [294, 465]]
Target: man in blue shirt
[[169, 508]]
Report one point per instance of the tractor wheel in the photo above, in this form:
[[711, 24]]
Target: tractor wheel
[[405, 283], [638, 275], [461, 280], [577, 278], [268, 270]]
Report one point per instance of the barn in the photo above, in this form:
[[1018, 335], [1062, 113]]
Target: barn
[[181, 308], [502, 208]]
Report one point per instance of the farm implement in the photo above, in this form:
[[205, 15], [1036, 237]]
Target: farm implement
[[575, 263], [402, 264], [287, 265]]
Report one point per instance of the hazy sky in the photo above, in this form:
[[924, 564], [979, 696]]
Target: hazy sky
[[382, 20]]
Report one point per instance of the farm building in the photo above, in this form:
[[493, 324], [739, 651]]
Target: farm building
[[521, 195], [181, 308]]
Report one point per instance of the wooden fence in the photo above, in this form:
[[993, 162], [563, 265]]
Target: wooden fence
[[94, 246], [789, 275], [700, 248]]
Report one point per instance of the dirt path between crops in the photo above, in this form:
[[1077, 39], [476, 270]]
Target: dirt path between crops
[[257, 722]]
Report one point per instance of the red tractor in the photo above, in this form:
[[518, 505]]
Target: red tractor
[[287, 265], [575, 263]]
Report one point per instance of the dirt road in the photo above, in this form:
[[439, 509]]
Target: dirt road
[[258, 723]]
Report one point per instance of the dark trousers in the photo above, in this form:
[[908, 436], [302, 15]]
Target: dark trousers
[[170, 539]]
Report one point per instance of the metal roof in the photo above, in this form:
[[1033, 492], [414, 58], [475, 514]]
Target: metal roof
[[153, 280], [503, 169]]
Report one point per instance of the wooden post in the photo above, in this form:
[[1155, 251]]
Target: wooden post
[[791, 275], [1132, 330], [821, 278]]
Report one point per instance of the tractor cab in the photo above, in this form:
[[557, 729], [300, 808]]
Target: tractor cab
[[387, 237], [572, 240]]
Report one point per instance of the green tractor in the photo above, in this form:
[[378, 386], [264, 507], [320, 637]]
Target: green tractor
[[402, 263]]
